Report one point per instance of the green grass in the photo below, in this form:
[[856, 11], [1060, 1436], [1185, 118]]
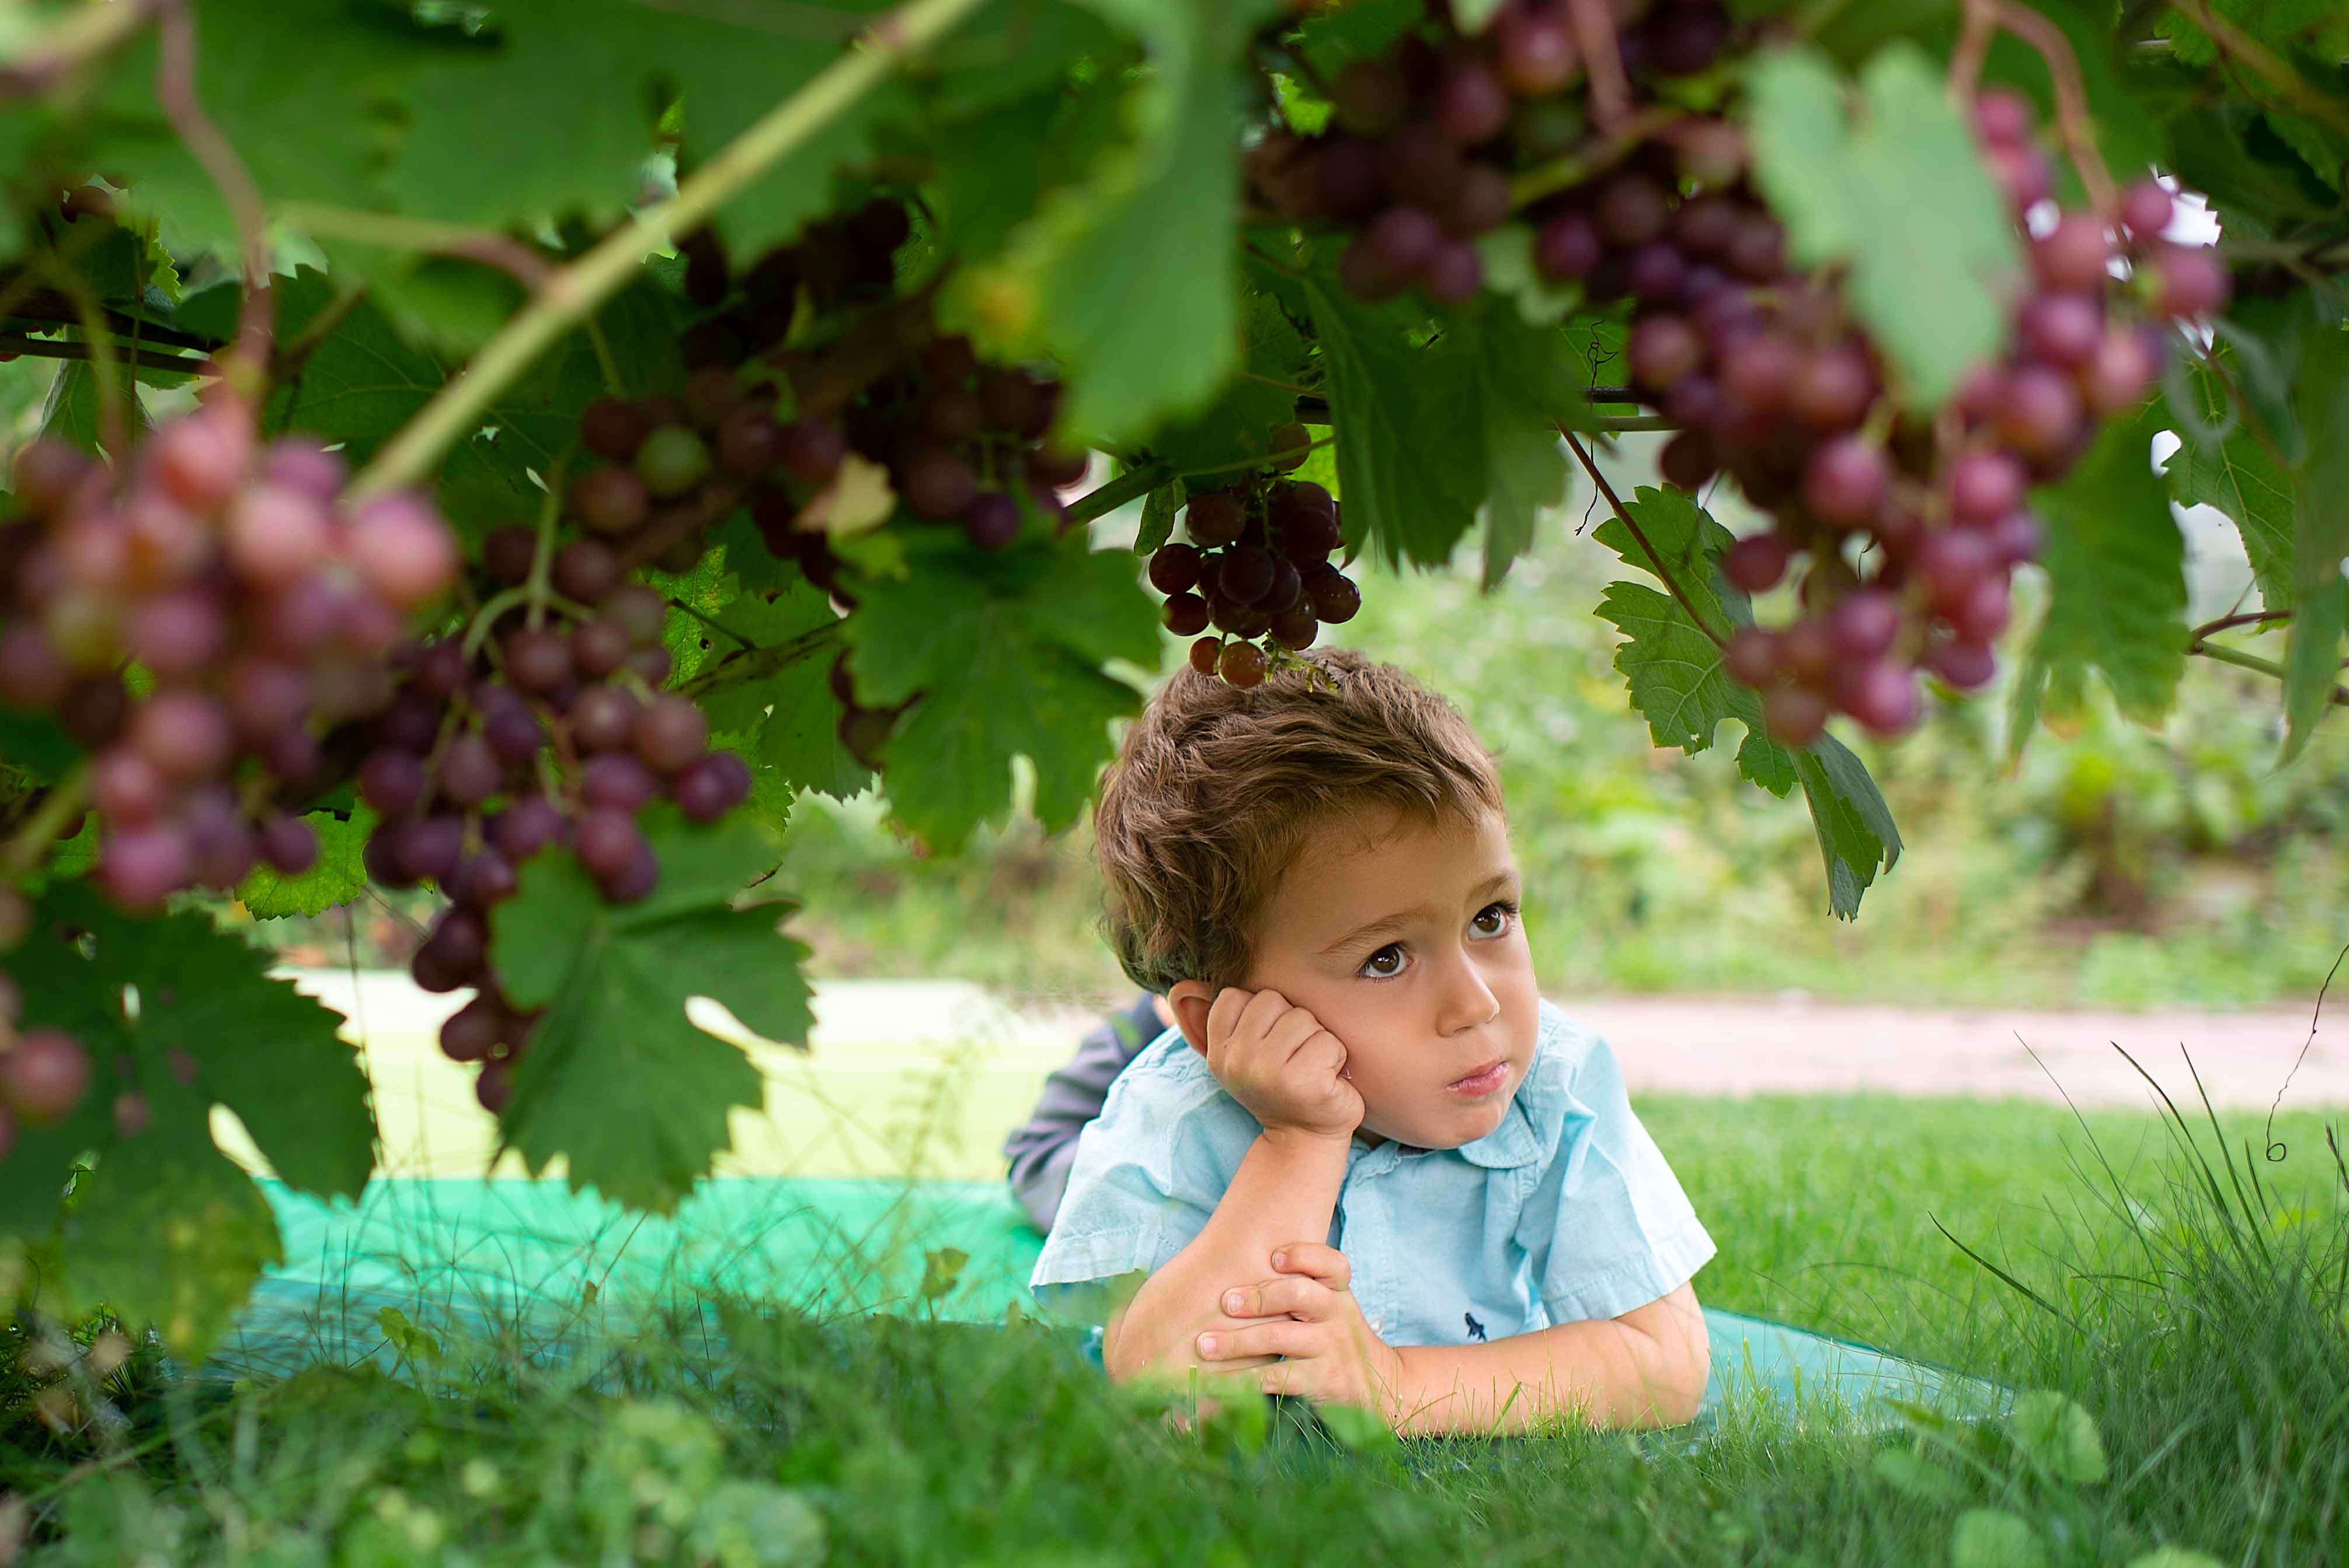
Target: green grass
[[2200, 1319]]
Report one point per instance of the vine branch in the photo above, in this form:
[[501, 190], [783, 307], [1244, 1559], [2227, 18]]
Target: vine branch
[[1602, 59], [393, 233], [2232, 40], [145, 358], [575, 290], [175, 93], [1103, 500], [1655, 559]]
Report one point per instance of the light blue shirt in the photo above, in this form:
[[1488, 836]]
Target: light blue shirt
[[1565, 1211]]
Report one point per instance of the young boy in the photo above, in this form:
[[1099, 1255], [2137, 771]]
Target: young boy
[[1369, 1165]]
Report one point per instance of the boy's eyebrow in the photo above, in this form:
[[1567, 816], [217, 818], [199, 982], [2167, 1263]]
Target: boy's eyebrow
[[1402, 918]]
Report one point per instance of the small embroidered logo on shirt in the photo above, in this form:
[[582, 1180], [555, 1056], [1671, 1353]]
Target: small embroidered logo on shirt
[[1475, 1329]]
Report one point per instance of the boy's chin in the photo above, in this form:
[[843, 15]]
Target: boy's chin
[[1465, 1122]]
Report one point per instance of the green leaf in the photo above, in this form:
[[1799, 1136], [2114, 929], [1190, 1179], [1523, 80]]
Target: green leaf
[[2320, 537], [2238, 475], [791, 713], [2116, 569], [614, 981], [1526, 385], [340, 876], [1141, 313], [1993, 1538], [167, 1228], [1914, 1476], [1158, 516], [2058, 1436], [1235, 429], [74, 414], [1006, 652], [1899, 195], [1358, 1429], [1402, 430], [1855, 828]]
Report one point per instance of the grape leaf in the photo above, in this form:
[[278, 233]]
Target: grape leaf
[[205, 1011], [1405, 429], [1527, 387], [1143, 314], [305, 95], [1900, 196], [1158, 516], [799, 739], [339, 877], [2236, 474], [2115, 567], [1234, 428], [2321, 538], [614, 981], [1006, 651], [1677, 683], [1329, 36]]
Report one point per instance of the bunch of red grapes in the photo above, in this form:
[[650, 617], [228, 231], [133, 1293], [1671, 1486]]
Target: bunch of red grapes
[[1910, 527], [1255, 565], [258, 607], [771, 421], [1425, 141]]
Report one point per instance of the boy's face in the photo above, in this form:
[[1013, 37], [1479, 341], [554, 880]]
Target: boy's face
[[1403, 938]]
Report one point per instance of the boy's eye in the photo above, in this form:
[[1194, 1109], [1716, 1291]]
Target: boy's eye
[[1385, 963], [1493, 920]]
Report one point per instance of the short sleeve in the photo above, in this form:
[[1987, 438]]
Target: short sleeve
[[1607, 1228], [1148, 1174]]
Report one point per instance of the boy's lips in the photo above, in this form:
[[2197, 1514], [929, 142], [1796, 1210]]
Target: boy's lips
[[1485, 1079]]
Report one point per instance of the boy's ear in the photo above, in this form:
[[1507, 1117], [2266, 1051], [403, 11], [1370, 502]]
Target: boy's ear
[[1191, 1000]]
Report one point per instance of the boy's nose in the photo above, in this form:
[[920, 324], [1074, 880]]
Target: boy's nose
[[1468, 1002]]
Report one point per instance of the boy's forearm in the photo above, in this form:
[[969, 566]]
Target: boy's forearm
[[1647, 1368], [1286, 1189]]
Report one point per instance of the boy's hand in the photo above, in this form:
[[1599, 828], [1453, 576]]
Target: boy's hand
[[1279, 1062], [1313, 1320]]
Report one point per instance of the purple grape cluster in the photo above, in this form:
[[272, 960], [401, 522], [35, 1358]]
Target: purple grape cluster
[[771, 424], [1426, 139], [552, 733], [1909, 528], [261, 607], [1255, 565]]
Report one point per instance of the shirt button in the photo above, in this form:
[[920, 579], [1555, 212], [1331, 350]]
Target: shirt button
[[1378, 1324]]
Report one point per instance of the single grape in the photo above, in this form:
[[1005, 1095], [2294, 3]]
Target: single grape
[[1663, 349], [1806, 654], [538, 658], [1684, 39], [1881, 695], [512, 732], [185, 734], [671, 733], [1567, 246], [1295, 627], [1983, 611], [485, 877], [1793, 715], [1453, 275], [1335, 598], [1186, 614], [1479, 205], [1535, 50], [613, 428], [469, 771], [1242, 665], [607, 841], [2041, 415], [1968, 666], [2002, 117], [1245, 575], [1688, 460], [1984, 486], [598, 647], [611, 500], [993, 521], [618, 781], [713, 786], [1632, 210], [46, 474], [1286, 447], [1287, 592], [938, 484], [431, 848], [1402, 242], [140, 866], [634, 881], [45, 1076], [1864, 625], [1206, 653], [274, 533], [603, 719], [1214, 519], [2147, 209], [1755, 563], [1952, 561], [289, 844], [2027, 175], [528, 826], [1831, 389], [2073, 257], [2062, 328], [128, 790], [1847, 480], [1656, 272], [2190, 280], [1174, 568], [652, 665], [1758, 371], [198, 458], [1056, 470], [393, 782], [2015, 539], [402, 550], [1751, 657], [586, 570], [221, 846], [475, 1030], [1758, 250], [2120, 372], [750, 442], [671, 461]]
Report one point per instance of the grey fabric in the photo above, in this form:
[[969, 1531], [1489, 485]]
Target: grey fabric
[[1042, 1149]]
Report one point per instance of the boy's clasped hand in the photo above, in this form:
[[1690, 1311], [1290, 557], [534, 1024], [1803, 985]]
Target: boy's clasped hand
[[1277, 1059]]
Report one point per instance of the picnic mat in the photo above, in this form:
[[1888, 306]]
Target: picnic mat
[[534, 1258]]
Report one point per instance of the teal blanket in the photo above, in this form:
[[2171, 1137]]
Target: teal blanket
[[488, 1253]]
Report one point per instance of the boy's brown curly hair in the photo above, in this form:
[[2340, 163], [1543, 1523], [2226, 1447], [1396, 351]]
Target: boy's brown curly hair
[[1215, 789]]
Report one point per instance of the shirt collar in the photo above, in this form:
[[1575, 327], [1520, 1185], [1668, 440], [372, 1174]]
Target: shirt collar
[[1511, 1144]]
